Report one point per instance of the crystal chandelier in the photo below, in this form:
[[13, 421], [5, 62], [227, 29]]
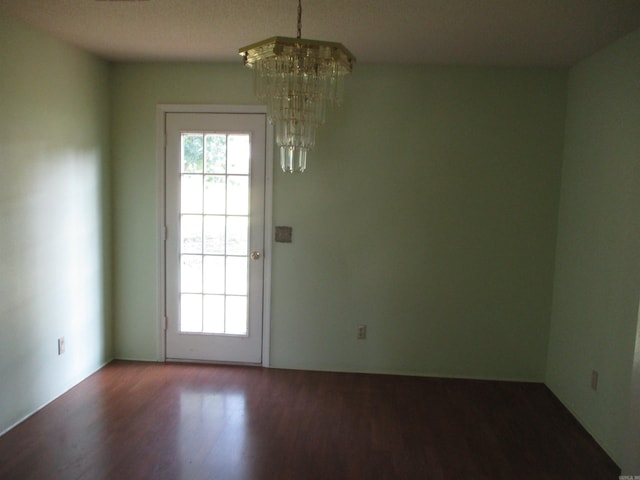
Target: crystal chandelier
[[297, 78]]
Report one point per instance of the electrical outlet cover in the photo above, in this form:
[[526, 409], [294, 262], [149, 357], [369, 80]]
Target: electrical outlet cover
[[362, 332]]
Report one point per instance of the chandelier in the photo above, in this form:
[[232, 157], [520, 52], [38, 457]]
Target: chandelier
[[297, 78]]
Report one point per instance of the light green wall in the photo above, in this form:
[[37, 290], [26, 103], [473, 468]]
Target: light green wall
[[428, 213], [54, 279], [136, 91], [597, 282]]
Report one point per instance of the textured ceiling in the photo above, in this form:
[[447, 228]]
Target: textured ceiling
[[452, 32]]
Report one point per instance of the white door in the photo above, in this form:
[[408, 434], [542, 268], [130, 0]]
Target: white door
[[215, 188]]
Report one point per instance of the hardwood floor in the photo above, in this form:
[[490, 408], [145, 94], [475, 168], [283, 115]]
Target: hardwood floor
[[176, 421]]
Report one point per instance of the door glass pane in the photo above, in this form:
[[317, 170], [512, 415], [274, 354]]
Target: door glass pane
[[191, 274], [215, 153], [213, 314], [191, 233], [238, 195], [236, 283], [192, 152], [190, 313], [191, 194], [236, 315], [237, 235], [215, 194], [214, 274], [214, 235], [238, 154]]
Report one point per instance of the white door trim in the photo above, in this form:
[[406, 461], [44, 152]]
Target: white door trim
[[161, 111]]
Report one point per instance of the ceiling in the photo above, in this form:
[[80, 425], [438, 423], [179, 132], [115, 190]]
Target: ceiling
[[450, 32]]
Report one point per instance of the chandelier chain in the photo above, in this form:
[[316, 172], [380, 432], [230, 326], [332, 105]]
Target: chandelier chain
[[299, 18]]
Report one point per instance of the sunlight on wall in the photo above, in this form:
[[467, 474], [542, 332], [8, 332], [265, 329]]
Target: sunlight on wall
[[54, 250], [52, 282]]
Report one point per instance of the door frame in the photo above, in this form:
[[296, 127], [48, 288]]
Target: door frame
[[161, 113]]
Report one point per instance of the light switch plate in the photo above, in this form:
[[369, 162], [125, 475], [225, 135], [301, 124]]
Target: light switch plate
[[284, 234]]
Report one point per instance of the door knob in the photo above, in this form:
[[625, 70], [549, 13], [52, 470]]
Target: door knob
[[255, 255]]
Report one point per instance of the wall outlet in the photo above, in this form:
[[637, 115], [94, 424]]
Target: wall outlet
[[362, 332], [61, 346], [594, 380]]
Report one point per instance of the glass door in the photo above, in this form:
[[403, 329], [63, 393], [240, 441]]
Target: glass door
[[215, 223]]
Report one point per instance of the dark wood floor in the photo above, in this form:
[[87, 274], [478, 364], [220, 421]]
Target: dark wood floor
[[154, 421]]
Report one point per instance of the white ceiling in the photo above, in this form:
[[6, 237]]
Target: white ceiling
[[473, 32]]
